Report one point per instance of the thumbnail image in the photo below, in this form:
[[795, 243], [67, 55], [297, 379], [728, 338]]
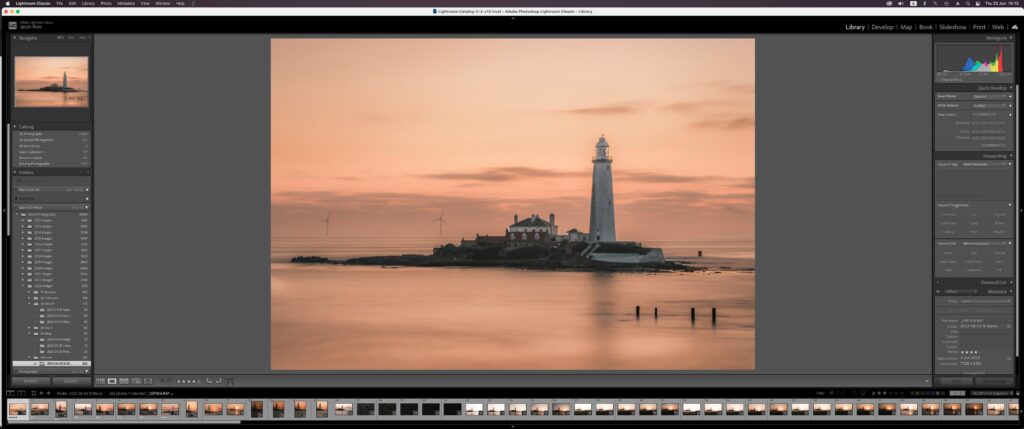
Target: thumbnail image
[[431, 409], [170, 409], [517, 409], [435, 207], [495, 409], [951, 409], [256, 409], [236, 410], [19, 409], [300, 409], [213, 409], [691, 409], [627, 409], [343, 409], [887, 409], [648, 409], [801, 409], [844, 409], [278, 411], [83, 409], [996, 409], [147, 409], [561, 409], [583, 409], [930, 409], [104, 409], [778, 409], [908, 409], [1014, 408], [39, 410], [974, 409], [126, 409], [712, 409], [604, 409], [734, 409], [191, 409], [321, 409], [474, 409], [51, 81], [538, 409], [669, 409], [822, 409], [60, 409], [755, 409], [865, 409]]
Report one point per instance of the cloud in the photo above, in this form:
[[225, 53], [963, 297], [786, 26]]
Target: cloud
[[612, 109], [729, 123], [504, 174]]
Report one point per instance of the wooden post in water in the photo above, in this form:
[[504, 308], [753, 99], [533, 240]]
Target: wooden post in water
[[693, 315], [700, 253], [655, 312], [638, 312], [714, 315]]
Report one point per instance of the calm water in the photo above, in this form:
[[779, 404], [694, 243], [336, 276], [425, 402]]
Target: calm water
[[362, 317], [51, 99]]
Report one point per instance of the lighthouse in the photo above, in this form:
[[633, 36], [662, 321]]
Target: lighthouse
[[602, 204], [65, 80]]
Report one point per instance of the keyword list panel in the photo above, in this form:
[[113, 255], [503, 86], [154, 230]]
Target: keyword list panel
[[51, 146], [974, 180]]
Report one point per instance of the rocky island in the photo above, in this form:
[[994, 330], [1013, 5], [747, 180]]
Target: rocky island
[[562, 256]]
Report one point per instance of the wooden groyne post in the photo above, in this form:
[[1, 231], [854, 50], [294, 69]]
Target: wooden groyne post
[[638, 312], [714, 315], [655, 312], [693, 315]]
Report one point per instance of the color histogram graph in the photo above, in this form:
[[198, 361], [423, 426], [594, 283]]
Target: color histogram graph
[[993, 65], [973, 58]]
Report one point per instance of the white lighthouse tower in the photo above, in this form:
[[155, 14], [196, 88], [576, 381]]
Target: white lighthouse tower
[[602, 204], [65, 80]]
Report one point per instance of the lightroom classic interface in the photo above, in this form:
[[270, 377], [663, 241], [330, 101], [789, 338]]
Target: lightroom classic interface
[[510, 215]]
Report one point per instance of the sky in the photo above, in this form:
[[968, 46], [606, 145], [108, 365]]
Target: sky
[[37, 72], [386, 133]]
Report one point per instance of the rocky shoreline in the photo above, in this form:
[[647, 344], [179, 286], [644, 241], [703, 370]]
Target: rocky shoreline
[[553, 262]]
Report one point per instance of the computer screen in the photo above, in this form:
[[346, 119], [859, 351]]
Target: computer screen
[[519, 214]]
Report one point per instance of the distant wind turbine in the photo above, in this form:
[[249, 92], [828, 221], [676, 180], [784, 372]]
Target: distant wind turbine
[[440, 224], [327, 223]]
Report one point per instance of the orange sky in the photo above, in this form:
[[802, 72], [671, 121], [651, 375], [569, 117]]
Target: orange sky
[[387, 132], [37, 72]]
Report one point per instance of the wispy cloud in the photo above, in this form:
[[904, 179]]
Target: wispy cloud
[[727, 123], [610, 109], [504, 174]]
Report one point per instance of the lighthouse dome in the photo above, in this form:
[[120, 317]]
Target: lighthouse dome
[[602, 142]]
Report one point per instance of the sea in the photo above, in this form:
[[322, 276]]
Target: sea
[[51, 99], [337, 317]]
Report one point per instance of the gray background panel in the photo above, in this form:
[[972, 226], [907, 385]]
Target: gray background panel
[[182, 220]]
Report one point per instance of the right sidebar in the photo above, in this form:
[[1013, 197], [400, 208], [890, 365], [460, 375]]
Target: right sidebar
[[974, 186]]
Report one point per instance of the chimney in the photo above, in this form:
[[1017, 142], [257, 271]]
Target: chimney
[[515, 219]]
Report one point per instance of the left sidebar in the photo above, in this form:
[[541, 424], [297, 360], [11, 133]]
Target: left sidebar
[[50, 142]]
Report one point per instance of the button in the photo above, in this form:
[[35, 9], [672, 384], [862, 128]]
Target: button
[[147, 381], [72, 381], [111, 380], [993, 381], [136, 380], [30, 381], [955, 381], [122, 380]]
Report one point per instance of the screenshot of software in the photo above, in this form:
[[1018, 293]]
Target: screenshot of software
[[272, 212]]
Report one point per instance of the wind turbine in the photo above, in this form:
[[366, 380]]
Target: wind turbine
[[440, 224], [327, 223]]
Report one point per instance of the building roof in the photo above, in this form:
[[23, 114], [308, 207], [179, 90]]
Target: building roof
[[532, 221]]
